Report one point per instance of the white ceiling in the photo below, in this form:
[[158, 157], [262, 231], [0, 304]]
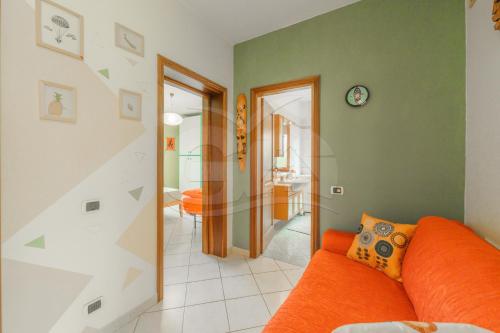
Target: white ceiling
[[240, 20], [183, 102], [294, 105]]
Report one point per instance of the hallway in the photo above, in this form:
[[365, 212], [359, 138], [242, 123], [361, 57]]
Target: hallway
[[207, 294]]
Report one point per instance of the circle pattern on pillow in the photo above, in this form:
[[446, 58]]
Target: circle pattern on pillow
[[366, 238], [384, 248], [400, 240], [383, 229]]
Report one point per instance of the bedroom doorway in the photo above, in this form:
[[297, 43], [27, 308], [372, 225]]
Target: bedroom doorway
[[197, 196]]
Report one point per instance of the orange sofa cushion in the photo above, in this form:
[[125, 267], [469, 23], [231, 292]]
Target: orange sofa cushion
[[337, 242], [335, 291], [452, 275]]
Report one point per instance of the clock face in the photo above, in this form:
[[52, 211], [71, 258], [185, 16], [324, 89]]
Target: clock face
[[357, 96]]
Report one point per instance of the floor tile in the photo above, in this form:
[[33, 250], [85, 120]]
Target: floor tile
[[294, 275], [178, 248], [174, 296], [198, 258], [272, 282], [234, 267], [176, 260], [274, 300], [175, 275], [204, 291], [203, 272], [283, 265], [184, 228], [196, 247], [128, 328], [239, 286], [263, 264], [247, 312], [175, 239], [168, 321], [206, 318]]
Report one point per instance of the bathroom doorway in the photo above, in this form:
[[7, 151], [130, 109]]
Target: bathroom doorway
[[285, 171]]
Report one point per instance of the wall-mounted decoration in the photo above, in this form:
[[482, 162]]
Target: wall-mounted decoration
[[130, 105], [129, 40], [136, 193], [241, 130], [104, 72], [496, 14], [57, 102], [472, 3], [59, 29], [357, 96], [170, 144]]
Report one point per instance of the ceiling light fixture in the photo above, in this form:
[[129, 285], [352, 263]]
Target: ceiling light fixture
[[172, 118]]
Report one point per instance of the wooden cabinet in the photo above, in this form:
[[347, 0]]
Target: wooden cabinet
[[287, 203], [278, 150]]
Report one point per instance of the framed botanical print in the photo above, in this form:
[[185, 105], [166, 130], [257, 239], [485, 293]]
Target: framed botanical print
[[130, 105], [129, 40], [170, 144], [57, 102], [59, 29]]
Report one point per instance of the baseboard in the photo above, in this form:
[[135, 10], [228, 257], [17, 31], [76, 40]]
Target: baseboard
[[129, 316], [239, 251]]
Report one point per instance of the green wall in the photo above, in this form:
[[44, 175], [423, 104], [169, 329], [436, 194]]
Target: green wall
[[171, 159], [401, 156]]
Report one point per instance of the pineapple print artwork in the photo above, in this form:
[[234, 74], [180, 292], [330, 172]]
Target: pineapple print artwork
[[56, 107], [57, 102]]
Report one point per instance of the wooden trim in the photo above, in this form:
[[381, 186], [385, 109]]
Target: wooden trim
[[214, 154], [261, 196], [256, 93], [186, 87], [159, 180], [288, 147]]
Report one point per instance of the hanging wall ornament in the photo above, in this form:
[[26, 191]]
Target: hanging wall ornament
[[241, 130], [495, 16]]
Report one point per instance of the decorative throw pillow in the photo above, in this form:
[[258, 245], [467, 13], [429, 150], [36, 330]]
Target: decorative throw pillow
[[410, 327], [381, 244]]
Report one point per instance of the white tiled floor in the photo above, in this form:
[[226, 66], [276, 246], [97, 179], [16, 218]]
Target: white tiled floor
[[207, 294]]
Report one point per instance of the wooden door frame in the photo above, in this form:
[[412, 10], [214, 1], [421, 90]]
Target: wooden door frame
[[214, 155], [256, 232]]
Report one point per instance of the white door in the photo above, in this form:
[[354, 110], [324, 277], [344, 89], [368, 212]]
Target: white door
[[190, 136], [189, 172]]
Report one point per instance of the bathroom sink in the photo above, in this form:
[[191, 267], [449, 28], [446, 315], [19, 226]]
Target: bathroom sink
[[296, 182]]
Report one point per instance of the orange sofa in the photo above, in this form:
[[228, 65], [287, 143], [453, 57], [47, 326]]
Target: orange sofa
[[449, 275]]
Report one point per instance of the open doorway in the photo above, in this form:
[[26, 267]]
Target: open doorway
[[285, 171], [191, 173]]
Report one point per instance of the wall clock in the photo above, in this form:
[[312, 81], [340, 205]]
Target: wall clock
[[357, 96]]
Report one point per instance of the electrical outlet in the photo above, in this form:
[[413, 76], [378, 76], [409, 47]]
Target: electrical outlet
[[337, 190], [93, 306], [91, 206]]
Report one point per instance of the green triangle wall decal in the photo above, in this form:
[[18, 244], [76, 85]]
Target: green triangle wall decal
[[136, 193], [38, 243], [104, 72]]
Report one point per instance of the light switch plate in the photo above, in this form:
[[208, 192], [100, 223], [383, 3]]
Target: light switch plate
[[337, 190], [91, 206]]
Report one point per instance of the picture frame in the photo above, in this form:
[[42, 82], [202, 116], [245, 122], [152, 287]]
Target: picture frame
[[59, 29], [170, 144], [129, 40], [130, 105], [57, 102], [357, 96]]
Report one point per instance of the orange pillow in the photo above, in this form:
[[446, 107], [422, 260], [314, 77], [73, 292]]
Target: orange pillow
[[381, 244]]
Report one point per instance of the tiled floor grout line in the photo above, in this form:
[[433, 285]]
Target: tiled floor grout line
[[224, 296]]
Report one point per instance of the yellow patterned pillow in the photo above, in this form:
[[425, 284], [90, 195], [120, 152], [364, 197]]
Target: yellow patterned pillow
[[381, 244]]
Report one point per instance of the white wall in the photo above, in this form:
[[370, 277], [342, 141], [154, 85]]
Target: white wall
[[49, 168], [482, 191]]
